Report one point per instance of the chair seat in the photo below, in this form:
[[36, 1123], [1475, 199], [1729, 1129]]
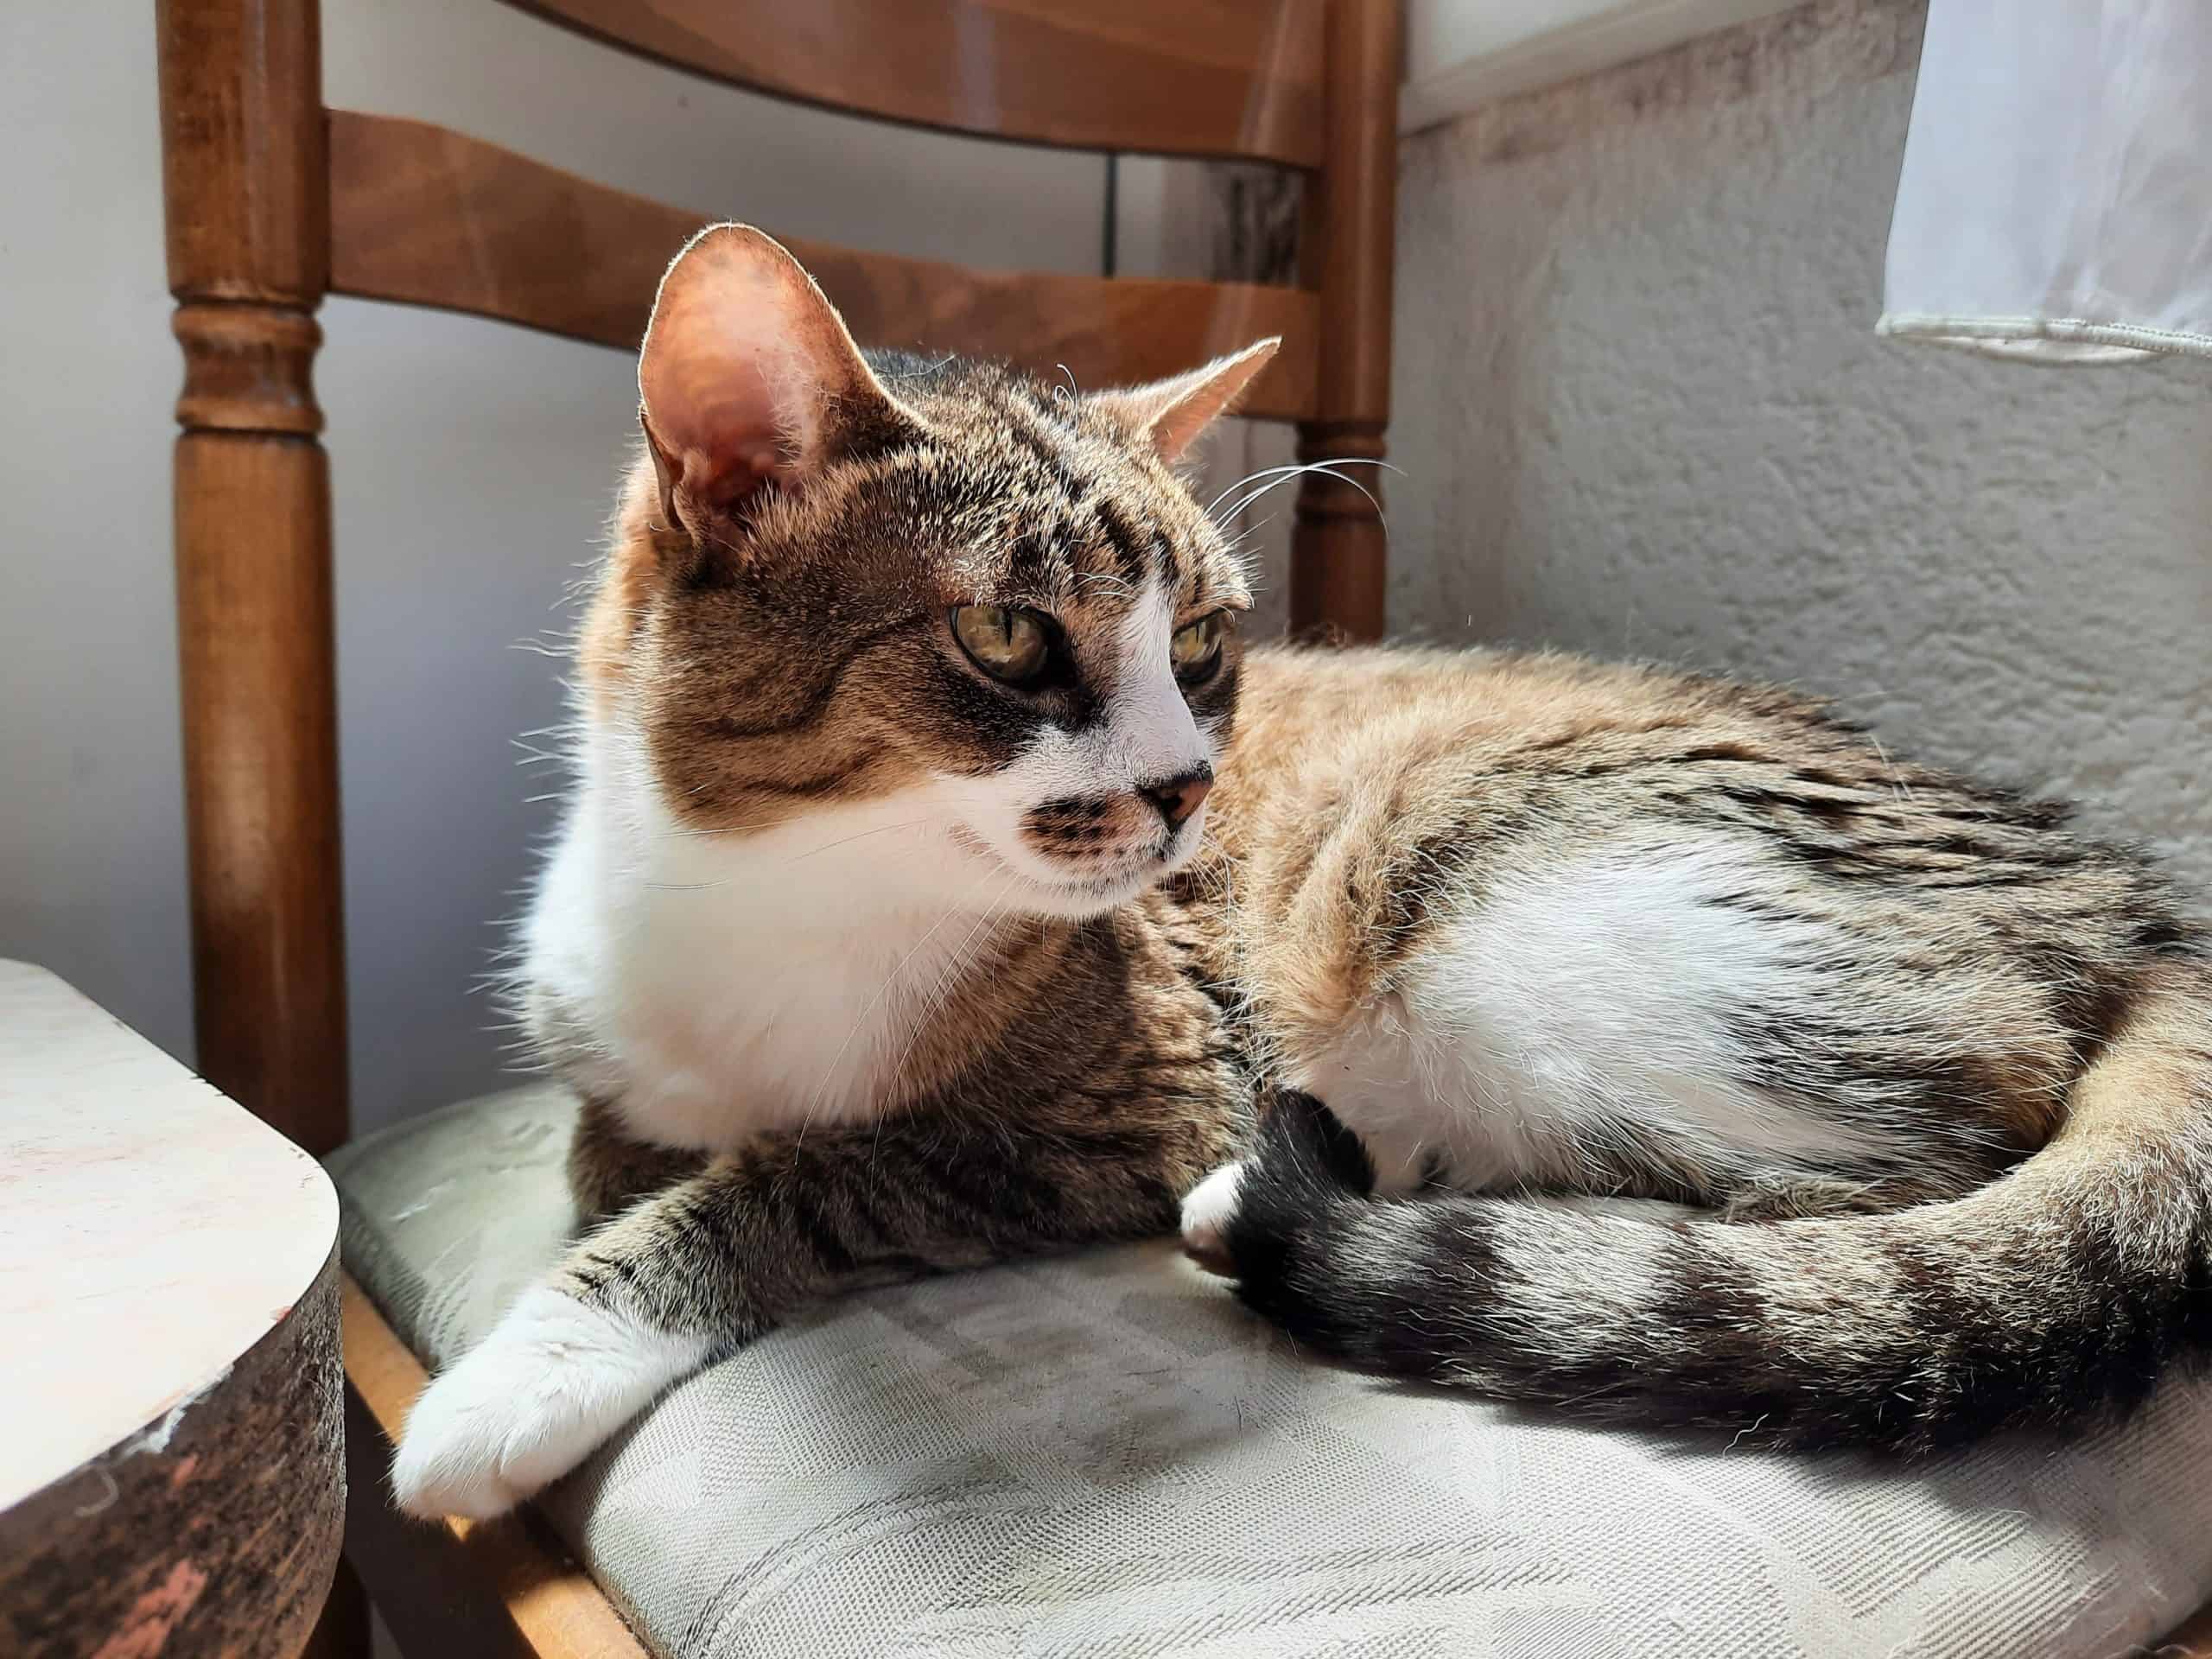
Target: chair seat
[[1103, 1455]]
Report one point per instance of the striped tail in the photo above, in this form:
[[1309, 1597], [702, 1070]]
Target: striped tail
[[2056, 1298]]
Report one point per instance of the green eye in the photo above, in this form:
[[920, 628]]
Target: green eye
[[1006, 643], [1195, 647]]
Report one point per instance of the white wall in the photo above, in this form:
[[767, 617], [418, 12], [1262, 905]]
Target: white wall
[[91, 851], [472, 465], [1642, 411]]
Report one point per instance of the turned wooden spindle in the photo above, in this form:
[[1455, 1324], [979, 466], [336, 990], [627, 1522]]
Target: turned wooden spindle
[[247, 368], [247, 184], [1337, 550]]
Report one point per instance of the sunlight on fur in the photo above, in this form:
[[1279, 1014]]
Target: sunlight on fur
[[944, 879]]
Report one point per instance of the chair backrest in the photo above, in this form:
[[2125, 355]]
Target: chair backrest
[[272, 201]]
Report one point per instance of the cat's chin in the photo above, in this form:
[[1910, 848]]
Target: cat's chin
[[1080, 900], [1079, 897]]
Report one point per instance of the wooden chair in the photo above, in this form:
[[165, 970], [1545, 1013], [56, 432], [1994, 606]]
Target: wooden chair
[[274, 200]]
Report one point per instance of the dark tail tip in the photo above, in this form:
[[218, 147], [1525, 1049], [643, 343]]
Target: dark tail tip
[[1307, 1177], [1301, 1136]]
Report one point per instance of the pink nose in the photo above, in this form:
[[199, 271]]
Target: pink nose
[[1177, 797]]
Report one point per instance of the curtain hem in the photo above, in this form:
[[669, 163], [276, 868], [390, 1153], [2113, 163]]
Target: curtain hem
[[2045, 339]]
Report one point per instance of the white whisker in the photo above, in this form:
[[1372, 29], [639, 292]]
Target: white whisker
[[1325, 469], [861, 835]]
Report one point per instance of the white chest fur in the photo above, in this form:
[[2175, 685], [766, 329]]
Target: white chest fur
[[769, 978]]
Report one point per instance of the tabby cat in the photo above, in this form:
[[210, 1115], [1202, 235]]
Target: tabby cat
[[946, 881]]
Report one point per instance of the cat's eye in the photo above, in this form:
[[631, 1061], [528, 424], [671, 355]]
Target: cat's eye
[[1196, 648], [1006, 643]]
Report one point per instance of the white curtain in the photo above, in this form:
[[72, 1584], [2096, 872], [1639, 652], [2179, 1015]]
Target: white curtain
[[2057, 198]]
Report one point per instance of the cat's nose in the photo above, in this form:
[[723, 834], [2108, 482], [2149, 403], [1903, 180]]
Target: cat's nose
[[1177, 797]]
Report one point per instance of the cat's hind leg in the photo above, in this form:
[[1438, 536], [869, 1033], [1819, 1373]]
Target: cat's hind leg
[[1677, 1020]]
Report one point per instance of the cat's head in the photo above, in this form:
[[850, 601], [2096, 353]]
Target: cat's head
[[849, 588]]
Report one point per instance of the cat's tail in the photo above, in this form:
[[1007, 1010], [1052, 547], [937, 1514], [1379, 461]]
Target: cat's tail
[[2056, 1297]]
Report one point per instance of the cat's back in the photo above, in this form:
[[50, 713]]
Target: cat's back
[[1327, 736], [1372, 799], [1365, 787]]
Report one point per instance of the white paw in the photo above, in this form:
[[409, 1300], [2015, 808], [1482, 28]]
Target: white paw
[[1207, 1210], [553, 1380]]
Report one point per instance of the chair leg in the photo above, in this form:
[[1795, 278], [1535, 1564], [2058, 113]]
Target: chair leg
[[1337, 567]]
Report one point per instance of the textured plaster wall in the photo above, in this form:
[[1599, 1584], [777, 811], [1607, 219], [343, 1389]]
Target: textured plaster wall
[[1642, 411]]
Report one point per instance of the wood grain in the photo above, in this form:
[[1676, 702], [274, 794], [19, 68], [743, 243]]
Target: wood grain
[[1349, 246], [246, 174], [1338, 564], [427, 216], [242, 155], [211, 1537], [247, 367], [502, 1590], [1339, 543], [1227, 77], [260, 776]]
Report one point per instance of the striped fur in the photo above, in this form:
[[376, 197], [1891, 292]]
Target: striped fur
[[1685, 1056], [1931, 1072], [2053, 1298]]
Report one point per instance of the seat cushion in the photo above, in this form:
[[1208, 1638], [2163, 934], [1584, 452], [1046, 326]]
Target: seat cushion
[[1103, 1455]]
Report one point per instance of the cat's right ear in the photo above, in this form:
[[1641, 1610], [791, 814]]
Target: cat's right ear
[[748, 380]]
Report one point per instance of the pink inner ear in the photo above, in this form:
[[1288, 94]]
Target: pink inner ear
[[733, 449], [708, 402], [1182, 425], [745, 365]]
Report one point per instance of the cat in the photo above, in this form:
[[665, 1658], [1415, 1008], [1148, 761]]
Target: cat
[[946, 880]]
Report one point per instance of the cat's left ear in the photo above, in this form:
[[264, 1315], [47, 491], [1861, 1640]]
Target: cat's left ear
[[1173, 413]]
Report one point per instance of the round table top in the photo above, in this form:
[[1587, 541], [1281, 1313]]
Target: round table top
[[152, 1232]]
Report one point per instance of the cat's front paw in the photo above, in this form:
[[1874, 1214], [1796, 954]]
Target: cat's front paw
[[539, 1395], [1208, 1209]]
